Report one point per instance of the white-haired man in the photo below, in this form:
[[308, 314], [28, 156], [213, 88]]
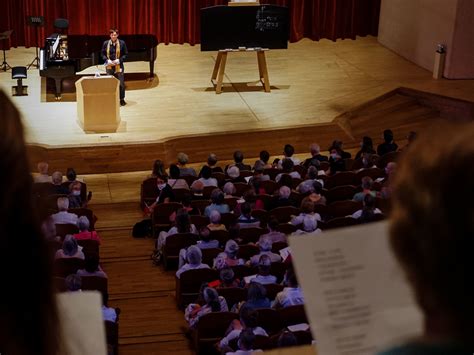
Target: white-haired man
[[63, 216]]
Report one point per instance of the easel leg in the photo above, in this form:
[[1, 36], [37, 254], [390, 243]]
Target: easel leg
[[216, 66], [220, 77], [262, 68]]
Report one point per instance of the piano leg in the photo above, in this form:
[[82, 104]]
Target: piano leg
[[58, 84], [152, 70]]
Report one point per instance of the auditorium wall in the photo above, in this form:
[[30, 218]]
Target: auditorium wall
[[413, 28]]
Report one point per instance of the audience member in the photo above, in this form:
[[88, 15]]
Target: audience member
[[174, 180], [194, 261], [316, 196], [92, 267], [308, 225], [283, 199], [337, 144], [307, 211], [182, 225], [206, 177], [368, 208], [367, 183], [206, 242], [288, 152], [63, 216], [213, 303], [108, 313], [57, 188], [158, 169], [263, 161], [84, 224], [229, 257], [183, 159], [307, 186], [75, 199], [227, 279], [287, 339], [291, 295], [42, 175], [229, 189], [287, 168], [70, 249], [234, 175], [217, 198], [274, 235], [165, 192], [211, 162], [247, 321], [197, 190], [245, 344], [215, 219], [256, 297], [71, 175], [366, 146], [336, 162], [265, 245], [316, 157], [431, 231], [388, 145], [238, 162], [246, 220], [263, 276]]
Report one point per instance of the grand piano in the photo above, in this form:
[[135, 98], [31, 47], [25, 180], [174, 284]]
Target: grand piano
[[60, 61]]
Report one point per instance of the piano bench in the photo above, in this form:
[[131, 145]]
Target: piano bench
[[19, 73]]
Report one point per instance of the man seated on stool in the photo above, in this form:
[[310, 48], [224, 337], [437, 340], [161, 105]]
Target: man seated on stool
[[114, 52]]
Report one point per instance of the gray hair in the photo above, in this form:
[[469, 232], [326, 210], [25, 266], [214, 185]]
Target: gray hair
[[83, 223], [312, 172], [265, 244], [284, 192], [231, 247], [233, 172], [57, 177], [314, 148], [70, 245], [182, 158], [63, 203], [215, 217], [194, 255], [229, 188]]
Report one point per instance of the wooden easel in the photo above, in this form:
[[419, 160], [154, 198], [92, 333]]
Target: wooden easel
[[219, 67]]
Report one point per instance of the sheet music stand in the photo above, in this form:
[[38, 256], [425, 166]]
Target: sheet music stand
[[36, 22], [4, 36]]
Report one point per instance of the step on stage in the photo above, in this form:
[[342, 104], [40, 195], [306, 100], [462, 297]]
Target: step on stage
[[319, 91]]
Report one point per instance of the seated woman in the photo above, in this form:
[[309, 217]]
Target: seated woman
[[273, 233], [174, 181], [75, 200], [265, 244], [165, 193], [256, 297], [307, 211], [307, 186], [229, 190], [92, 267], [70, 249], [227, 279], [182, 225], [206, 177], [217, 198], [368, 209], [194, 261], [291, 295], [316, 195], [263, 276], [158, 169], [367, 183], [309, 225], [215, 219], [247, 321], [84, 233], [246, 220], [229, 257], [213, 303]]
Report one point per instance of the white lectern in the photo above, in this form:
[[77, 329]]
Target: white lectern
[[97, 103]]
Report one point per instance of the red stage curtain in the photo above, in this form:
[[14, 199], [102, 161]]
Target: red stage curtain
[[178, 21]]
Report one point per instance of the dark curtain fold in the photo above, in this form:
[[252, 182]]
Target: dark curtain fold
[[178, 21]]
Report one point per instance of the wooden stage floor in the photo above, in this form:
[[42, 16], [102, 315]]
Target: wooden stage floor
[[312, 83]]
